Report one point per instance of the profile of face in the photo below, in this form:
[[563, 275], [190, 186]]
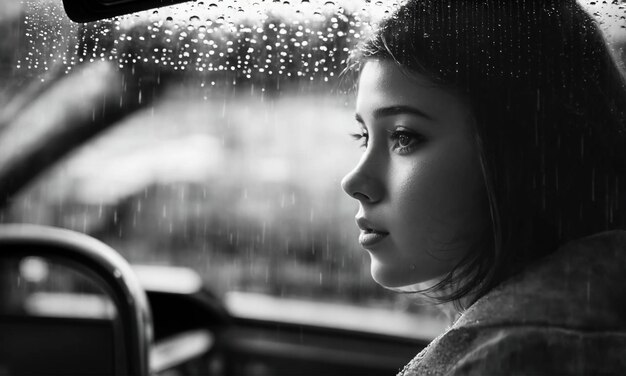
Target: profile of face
[[419, 182]]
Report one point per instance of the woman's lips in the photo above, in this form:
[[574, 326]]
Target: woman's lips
[[369, 238], [371, 234]]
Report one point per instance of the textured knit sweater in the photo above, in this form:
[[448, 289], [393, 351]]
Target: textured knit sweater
[[565, 315]]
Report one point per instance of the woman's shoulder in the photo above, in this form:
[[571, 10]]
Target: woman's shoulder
[[563, 315], [580, 286], [522, 350]]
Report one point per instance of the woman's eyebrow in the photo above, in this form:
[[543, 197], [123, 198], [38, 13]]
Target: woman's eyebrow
[[395, 110], [399, 110]]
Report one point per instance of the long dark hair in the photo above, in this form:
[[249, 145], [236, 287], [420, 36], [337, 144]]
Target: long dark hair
[[549, 108]]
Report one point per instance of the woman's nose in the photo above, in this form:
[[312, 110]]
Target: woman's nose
[[362, 186]]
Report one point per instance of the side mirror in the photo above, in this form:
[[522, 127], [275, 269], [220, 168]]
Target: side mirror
[[93, 10], [92, 317]]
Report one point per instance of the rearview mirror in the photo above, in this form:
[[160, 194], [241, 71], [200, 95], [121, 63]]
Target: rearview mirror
[[94, 10]]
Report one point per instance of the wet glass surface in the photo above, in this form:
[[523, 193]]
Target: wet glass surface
[[225, 148]]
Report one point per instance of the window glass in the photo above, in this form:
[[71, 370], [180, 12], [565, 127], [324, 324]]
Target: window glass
[[211, 135]]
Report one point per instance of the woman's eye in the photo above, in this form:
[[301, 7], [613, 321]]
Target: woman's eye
[[405, 141], [362, 136]]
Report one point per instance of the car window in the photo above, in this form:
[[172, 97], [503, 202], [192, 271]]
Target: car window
[[225, 149]]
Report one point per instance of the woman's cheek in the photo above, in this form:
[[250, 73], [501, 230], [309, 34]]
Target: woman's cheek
[[458, 201], [435, 193], [414, 189]]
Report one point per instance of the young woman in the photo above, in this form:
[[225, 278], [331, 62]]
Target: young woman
[[494, 167]]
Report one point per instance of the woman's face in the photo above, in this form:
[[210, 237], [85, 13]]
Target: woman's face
[[421, 194]]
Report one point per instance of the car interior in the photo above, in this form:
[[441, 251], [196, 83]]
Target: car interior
[[161, 209], [147, 327]]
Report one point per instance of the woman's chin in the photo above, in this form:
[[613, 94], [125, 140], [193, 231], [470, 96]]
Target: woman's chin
[[401, 278], [392, 277]]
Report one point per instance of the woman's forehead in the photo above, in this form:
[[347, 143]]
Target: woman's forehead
[[383, 83]]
